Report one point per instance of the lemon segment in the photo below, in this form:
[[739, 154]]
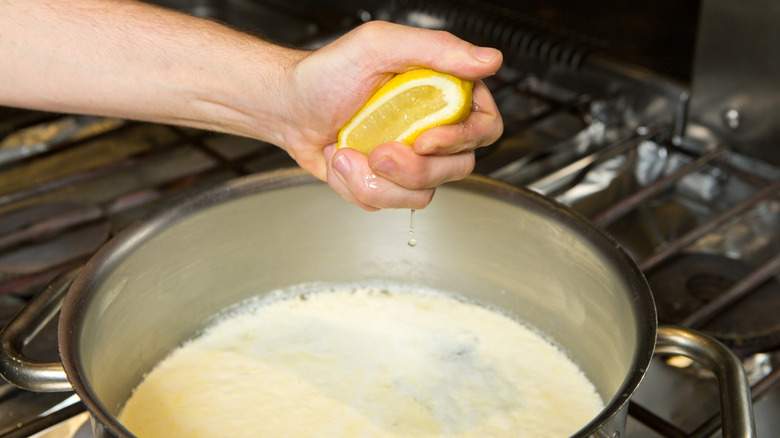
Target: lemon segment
[[405, 106]]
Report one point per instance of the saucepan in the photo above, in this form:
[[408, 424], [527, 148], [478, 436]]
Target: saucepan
[[159, 282]]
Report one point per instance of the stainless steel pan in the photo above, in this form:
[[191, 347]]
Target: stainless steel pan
[[160, 281]]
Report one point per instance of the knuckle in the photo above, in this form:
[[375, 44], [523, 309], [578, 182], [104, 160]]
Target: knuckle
[[464, 166], [442, 36], [498, 131], [371, 29], [374, 198], [416, 199], [417, 180], [467, 164]]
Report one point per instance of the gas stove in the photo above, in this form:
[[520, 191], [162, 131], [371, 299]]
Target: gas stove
[[592, 121]]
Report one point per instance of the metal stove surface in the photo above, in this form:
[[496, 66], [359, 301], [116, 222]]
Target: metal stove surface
[[677, 399], [67, 183]]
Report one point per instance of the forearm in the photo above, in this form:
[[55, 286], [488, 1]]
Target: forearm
[[132, 60]]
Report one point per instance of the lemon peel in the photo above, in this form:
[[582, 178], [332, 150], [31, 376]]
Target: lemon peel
[[405, 106]]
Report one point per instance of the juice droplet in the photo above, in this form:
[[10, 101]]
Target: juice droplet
[[412, 242]]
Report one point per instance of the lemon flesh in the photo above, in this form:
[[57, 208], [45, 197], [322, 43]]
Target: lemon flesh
[[405, 106]]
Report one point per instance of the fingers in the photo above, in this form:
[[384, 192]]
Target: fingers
[[483, 127], [395, 175], [400, 164], [350, 175], [395, 48]]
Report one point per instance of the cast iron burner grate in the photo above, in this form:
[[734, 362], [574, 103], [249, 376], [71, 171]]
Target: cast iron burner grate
[[690, 281]]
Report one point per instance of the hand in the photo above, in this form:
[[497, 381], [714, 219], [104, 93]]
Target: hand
[[331, 84], [166, 67]]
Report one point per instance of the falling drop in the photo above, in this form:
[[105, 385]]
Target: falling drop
[[412, 242]]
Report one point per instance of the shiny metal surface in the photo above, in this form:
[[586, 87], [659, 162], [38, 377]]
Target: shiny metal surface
[[161, 281], [14, 366], [734, 388], [735, 91]]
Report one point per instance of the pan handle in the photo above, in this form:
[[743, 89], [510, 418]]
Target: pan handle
[[25, 325], [735, 401]]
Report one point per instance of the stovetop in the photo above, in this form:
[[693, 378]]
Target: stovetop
[[701, 220]]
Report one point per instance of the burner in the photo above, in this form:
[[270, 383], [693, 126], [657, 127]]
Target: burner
[[691, 280]]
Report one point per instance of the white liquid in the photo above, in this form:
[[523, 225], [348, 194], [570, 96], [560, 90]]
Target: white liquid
[[364, 363]]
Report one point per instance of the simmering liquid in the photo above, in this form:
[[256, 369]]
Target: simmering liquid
[[364, 363]]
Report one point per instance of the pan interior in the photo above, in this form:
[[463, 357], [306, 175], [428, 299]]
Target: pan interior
[[164, 281]]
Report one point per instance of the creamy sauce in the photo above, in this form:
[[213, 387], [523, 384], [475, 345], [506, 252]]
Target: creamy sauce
[[364, 363]]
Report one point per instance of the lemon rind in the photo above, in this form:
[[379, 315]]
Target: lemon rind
[[452, 90]]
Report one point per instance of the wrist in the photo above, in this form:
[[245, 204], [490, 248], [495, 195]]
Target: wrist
[[241, 88]]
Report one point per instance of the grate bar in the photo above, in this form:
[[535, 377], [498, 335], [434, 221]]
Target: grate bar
[[621, 208], [56, 146], [234, 165], [708, 311], [586, 164], [49, 226], [144, 196], [42, 423], [90, 174], [655, 422], [749, 177], [764, 386], [120, 204], [515, 127], [42, 278], [678, 245], [25, 120]]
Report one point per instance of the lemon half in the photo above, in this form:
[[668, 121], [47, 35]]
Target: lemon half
[[405, 106]]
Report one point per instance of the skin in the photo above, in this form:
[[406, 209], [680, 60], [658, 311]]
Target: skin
[[132, 60]]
